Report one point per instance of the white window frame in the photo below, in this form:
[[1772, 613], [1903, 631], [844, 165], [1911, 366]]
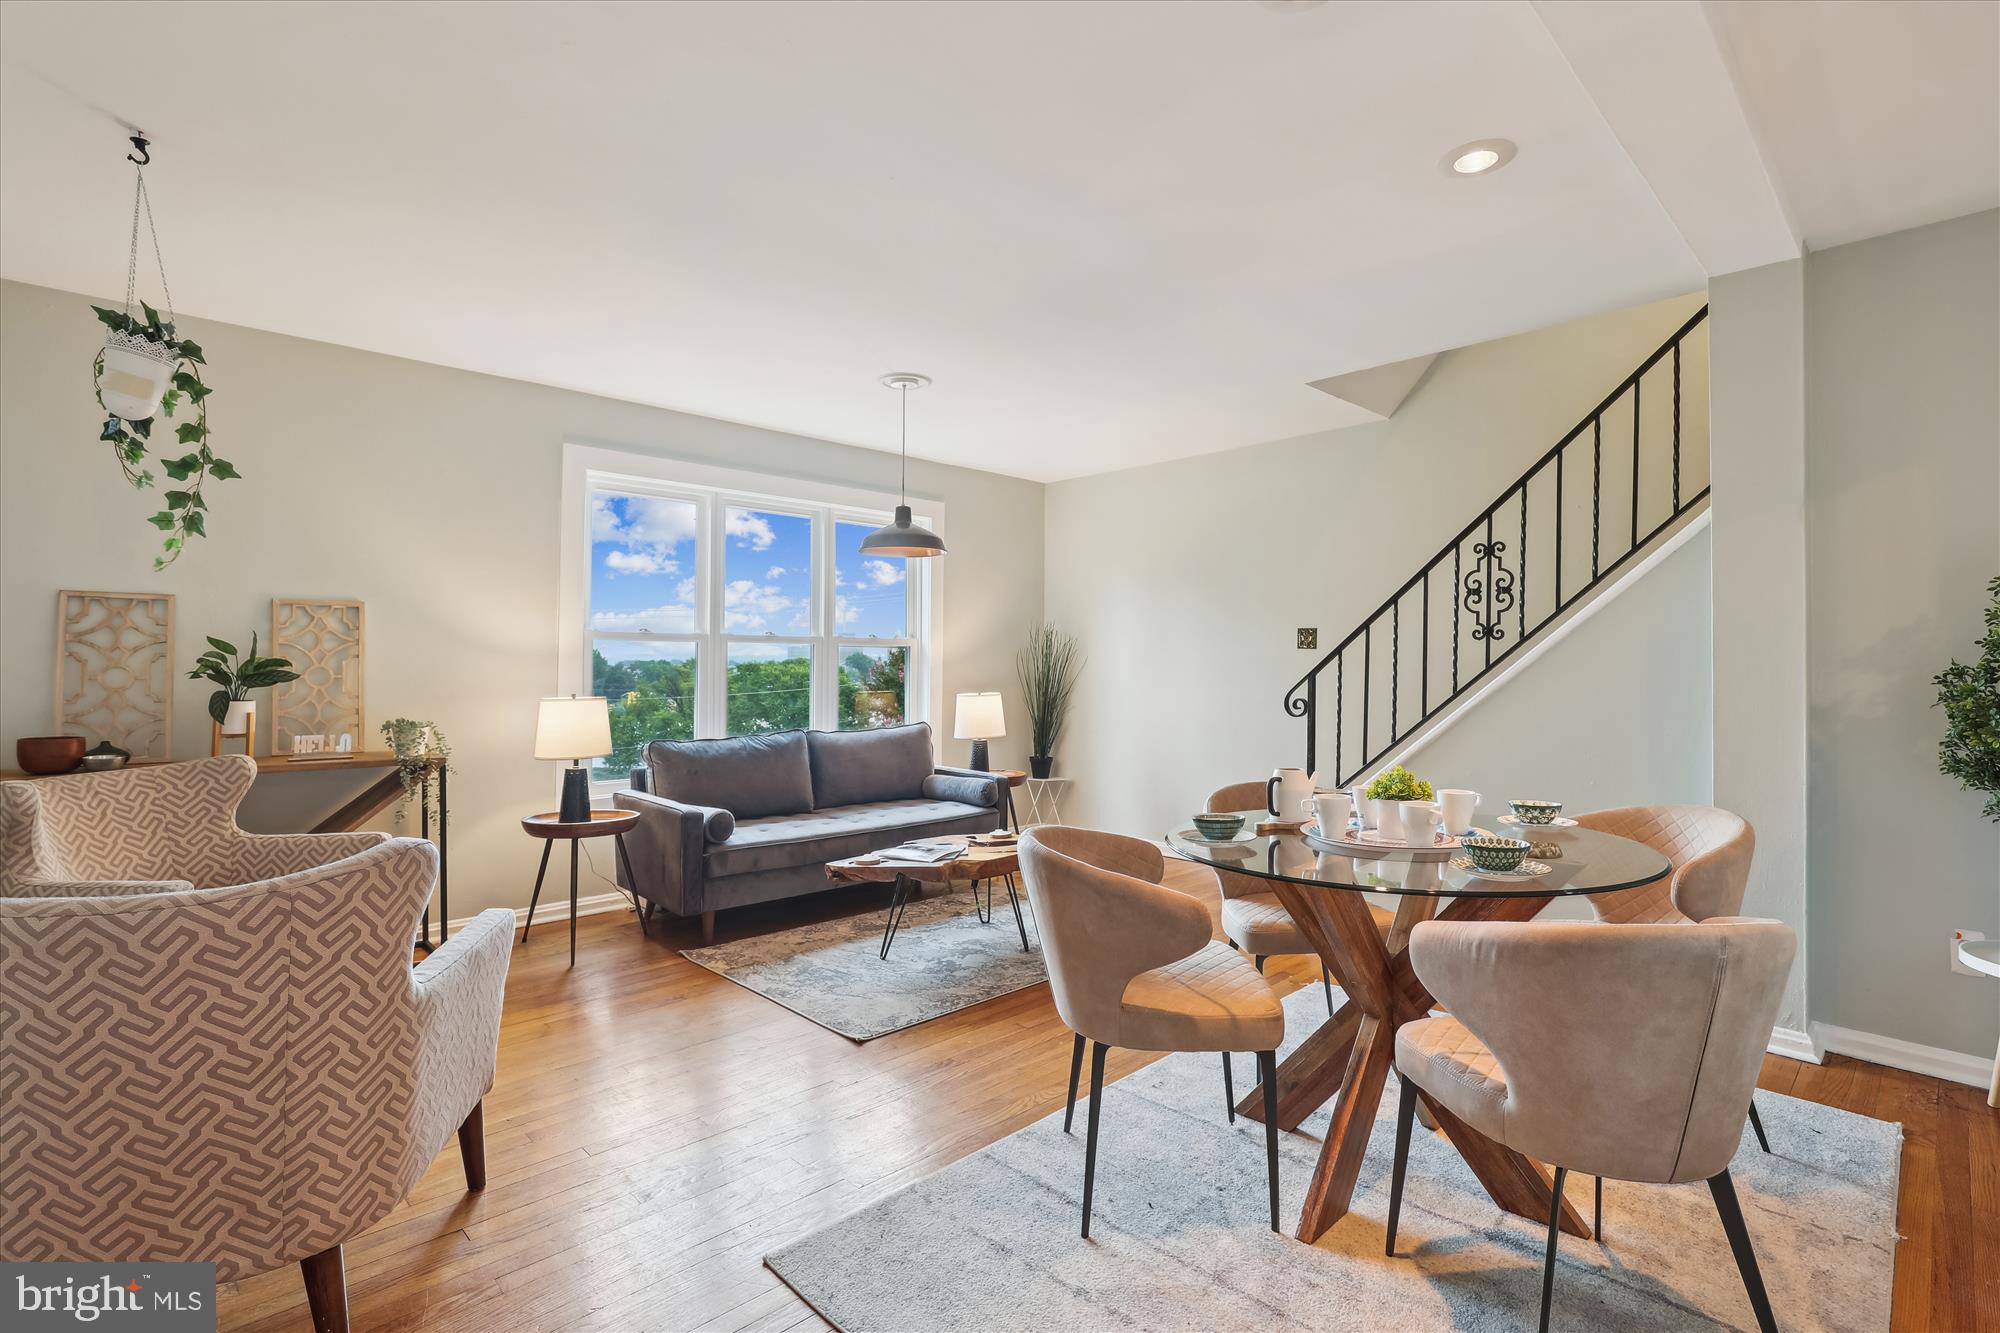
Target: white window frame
[[713, 489]]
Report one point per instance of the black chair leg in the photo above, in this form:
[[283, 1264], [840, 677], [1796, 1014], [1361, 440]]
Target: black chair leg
[[1555, 1230], [1097, 1049], [1075, 1068], [1259, 960], [1597, 1212], [1406, 1111], [1724, 1191], [1267, 1070], [1757, 1123], [1229, 1086], [1326, 983]]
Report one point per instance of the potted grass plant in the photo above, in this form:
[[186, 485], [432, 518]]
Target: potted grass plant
[[1048, 667]]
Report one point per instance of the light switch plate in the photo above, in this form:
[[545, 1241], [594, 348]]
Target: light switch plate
[[1308, 638]]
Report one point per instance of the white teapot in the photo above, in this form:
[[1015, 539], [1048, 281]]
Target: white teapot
[[1286, 793]]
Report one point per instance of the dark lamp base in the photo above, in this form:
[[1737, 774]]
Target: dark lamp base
[[979, 757], [575, 795]]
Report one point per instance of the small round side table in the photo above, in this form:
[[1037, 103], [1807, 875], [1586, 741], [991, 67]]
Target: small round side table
[[1013, 777], [1984, 956], [1047, 792], [602, 824]]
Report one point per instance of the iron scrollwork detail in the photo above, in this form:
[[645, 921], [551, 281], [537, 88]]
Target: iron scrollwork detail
[[1489, 591]]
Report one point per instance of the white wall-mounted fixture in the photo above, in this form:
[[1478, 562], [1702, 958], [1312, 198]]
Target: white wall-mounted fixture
[[1478, 157]]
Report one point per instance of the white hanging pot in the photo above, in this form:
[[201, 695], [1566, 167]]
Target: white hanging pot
[[237, 720], [134, 375]]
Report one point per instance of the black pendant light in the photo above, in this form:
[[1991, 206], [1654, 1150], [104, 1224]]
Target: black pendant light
[[903, 537]]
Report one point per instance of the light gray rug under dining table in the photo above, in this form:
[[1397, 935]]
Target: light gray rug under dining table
[[1180, 1237], [943, 959]]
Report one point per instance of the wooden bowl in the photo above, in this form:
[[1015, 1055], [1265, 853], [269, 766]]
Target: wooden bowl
[[48, 754]]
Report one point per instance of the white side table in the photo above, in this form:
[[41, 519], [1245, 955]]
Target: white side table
[[1984, 956], [1045, 799]]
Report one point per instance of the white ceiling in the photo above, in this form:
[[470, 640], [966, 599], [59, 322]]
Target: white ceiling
[[1112, 232]]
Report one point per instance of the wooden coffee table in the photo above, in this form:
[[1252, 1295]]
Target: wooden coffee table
[[974, 866]]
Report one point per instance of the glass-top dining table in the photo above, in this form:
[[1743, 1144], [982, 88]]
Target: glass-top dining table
[[1347, 1059]]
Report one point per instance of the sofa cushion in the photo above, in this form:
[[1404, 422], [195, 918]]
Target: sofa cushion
[[828, 835], [749, 776], [856, 767]]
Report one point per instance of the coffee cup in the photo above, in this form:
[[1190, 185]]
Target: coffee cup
[[1333, 809], [1421, 822], [1456, 804]]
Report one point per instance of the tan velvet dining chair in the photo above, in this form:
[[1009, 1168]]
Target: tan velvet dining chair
[[1252, 917], [1621, 1050], [1133, 963], [1710, 851]]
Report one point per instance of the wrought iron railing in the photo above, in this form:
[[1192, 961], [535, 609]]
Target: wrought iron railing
[[1477, 602]]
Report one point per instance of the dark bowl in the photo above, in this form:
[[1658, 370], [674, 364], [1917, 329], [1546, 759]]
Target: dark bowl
[[48, 754], [1218, 828]]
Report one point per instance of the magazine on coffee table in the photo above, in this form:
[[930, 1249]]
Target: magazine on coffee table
[[926, 853]]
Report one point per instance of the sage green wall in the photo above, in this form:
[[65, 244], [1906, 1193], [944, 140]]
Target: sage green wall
[[1758, 531], [1186, 579], [1902, 491], [432, 495]]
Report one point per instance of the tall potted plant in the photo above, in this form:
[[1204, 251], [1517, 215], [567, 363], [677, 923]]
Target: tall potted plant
[[1970, 697], [1048, 667]]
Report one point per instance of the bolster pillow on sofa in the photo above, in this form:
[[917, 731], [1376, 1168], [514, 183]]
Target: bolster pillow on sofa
[[958, 787]]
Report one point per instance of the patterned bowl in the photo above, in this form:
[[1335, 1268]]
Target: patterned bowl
[[1218, 828], [1536, 812], [1502, 854]]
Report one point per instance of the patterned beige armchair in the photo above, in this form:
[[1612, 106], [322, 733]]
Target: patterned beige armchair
[[148, 829], [246, 1075]]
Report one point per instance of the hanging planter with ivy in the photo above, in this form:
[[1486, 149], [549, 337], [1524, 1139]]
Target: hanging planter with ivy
[[144, 374]]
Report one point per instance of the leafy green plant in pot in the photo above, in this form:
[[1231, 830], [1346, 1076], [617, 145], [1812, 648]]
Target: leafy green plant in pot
[[144, 373], [421, 750], [237, 676], [1970, 697], [1396, 784], [1048, 667]]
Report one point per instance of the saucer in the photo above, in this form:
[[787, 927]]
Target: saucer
[[1560, 821]]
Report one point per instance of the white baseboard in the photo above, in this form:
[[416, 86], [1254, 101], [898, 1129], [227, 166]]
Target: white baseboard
[[557, 910], [1899, 1054], [1794, 1045]]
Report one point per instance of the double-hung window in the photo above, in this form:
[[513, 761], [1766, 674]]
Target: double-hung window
[[705, 602]]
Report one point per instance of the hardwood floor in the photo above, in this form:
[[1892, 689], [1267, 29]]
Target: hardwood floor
[[655, 1130]]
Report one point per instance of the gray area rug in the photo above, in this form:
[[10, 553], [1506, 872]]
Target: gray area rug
[[1180, 1237], [943, 959]]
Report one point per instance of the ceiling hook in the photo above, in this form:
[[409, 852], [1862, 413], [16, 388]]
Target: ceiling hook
[[145, 157]]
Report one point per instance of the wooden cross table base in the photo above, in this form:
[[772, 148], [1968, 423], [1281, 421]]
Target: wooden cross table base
[[1347, 1060]]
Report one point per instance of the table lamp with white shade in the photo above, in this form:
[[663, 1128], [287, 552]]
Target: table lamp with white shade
[[575, 728], [980, 718]]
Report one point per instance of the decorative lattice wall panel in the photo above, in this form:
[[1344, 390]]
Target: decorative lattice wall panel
[[324, 640], [114, 678]]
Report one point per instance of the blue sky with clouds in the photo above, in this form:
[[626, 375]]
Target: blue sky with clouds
[[642, 572]]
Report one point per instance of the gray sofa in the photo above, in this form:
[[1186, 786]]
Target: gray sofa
[[726, 823]]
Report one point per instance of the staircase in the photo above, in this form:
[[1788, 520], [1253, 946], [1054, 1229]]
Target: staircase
[[1581, 518]]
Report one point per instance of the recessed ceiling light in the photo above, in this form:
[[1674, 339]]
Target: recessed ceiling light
[[1478, 157]]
